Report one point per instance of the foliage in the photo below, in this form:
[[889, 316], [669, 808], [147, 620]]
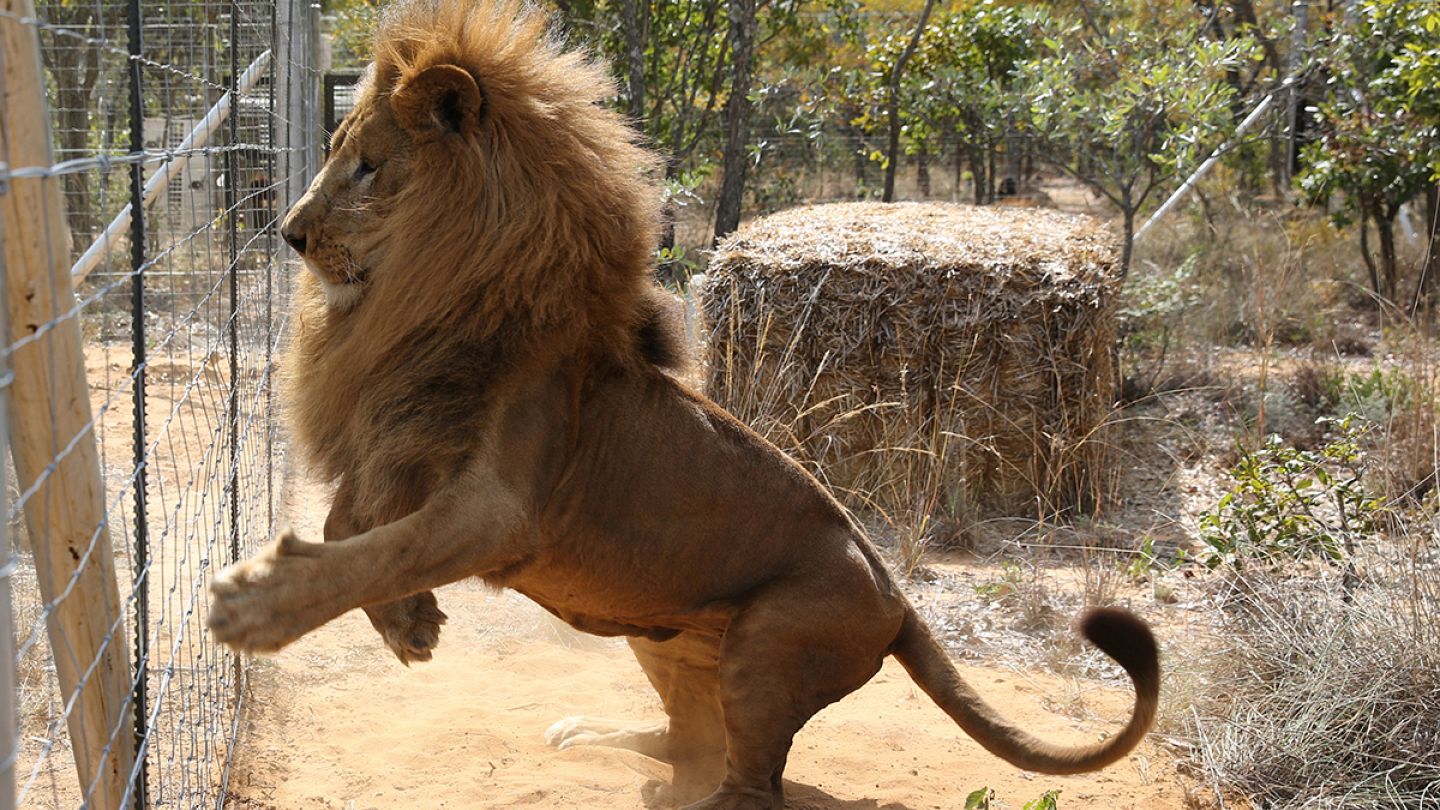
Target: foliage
[[979, 799], [1378, 395], [1377, 146], [1145, 560], [984, 799], [1049, 801], [1153, 301], [1417, 75], [1010, 582], [352, 23], [961, 82], [1287, 503], [1124, 107], [684, 61]]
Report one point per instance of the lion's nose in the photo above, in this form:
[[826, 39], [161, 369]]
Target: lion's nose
[[295, 240]]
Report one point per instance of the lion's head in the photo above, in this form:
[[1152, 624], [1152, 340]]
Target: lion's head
[[480, 212], [478, 184]]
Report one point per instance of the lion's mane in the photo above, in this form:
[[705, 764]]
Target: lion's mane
[[530, 242]]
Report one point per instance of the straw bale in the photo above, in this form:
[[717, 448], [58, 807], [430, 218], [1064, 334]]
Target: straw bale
[[921, 359]]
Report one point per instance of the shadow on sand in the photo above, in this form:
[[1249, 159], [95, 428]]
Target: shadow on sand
[[805, 797]]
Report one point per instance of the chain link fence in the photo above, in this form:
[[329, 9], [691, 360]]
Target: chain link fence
[[146, 300]]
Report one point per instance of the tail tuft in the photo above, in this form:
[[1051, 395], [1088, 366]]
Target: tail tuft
[[1121, 635]]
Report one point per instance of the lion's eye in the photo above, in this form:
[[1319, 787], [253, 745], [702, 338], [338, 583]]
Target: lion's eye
[[363, 169]]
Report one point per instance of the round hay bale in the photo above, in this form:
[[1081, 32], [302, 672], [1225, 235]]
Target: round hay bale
[[924, 360]]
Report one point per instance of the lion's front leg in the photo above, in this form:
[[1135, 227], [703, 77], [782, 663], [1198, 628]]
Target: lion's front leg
[[473, 528], [268, 601], [410, 627]]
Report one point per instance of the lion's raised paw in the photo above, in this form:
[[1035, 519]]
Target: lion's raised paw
[[266, 602], [409, 626]]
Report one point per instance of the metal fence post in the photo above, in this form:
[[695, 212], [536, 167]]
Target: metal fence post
[[136, 47], [295, 99]]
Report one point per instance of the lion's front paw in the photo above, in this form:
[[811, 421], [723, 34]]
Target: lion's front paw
[[410, 626], [268, 601]]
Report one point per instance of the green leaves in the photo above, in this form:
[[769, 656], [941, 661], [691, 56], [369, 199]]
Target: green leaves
[[1049, 801], [1286, 503], [984, 798], [1126, 103], [1379, 120], [979, 799], [1138, 106], [962, 79]]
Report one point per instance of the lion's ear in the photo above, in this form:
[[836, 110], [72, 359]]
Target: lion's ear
[[439, 99]]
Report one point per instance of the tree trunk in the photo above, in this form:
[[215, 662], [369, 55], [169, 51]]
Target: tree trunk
[[959, 158], [1431, 268], [1027, 165], [74, 69], [73, 138], [990, 174], [862, 164], [668, 272], [893, 154], [737, 114], [1389, 262], [922, 170], [636, 14], [1127, 246], [977, 177], [1365, 252]]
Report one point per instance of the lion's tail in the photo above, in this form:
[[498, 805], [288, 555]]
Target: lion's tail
[[1118, 633]]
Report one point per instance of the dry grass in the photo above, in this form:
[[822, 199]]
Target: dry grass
[[1259, 276], [1328, 696], [929, 362], [1331, 702]]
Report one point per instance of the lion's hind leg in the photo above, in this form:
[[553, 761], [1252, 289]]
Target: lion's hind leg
[[785, 658], [691, 739]]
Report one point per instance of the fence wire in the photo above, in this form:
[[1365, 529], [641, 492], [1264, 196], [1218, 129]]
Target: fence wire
[[180, 134]]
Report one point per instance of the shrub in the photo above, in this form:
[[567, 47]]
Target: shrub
[[1288, 503]]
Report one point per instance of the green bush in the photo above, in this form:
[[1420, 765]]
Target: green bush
[[1287, 503], [1378, 395]]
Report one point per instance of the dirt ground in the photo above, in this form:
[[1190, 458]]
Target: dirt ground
[[335, 721]]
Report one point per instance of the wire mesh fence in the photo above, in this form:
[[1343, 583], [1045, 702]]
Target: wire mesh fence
[[145, 304]]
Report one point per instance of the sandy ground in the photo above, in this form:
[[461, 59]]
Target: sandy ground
[[335, 722]]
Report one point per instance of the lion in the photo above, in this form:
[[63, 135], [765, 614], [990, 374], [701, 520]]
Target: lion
[[485, 370]]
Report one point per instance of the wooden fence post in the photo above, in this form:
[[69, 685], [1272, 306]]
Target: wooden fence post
[[51, 431]]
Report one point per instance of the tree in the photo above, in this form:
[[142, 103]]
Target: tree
[[1127, 107], [1377, 124], [897, 72], [959, 89], [1417, 71], [75, 65], [636, 18], [972, 60], [737, 115]]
